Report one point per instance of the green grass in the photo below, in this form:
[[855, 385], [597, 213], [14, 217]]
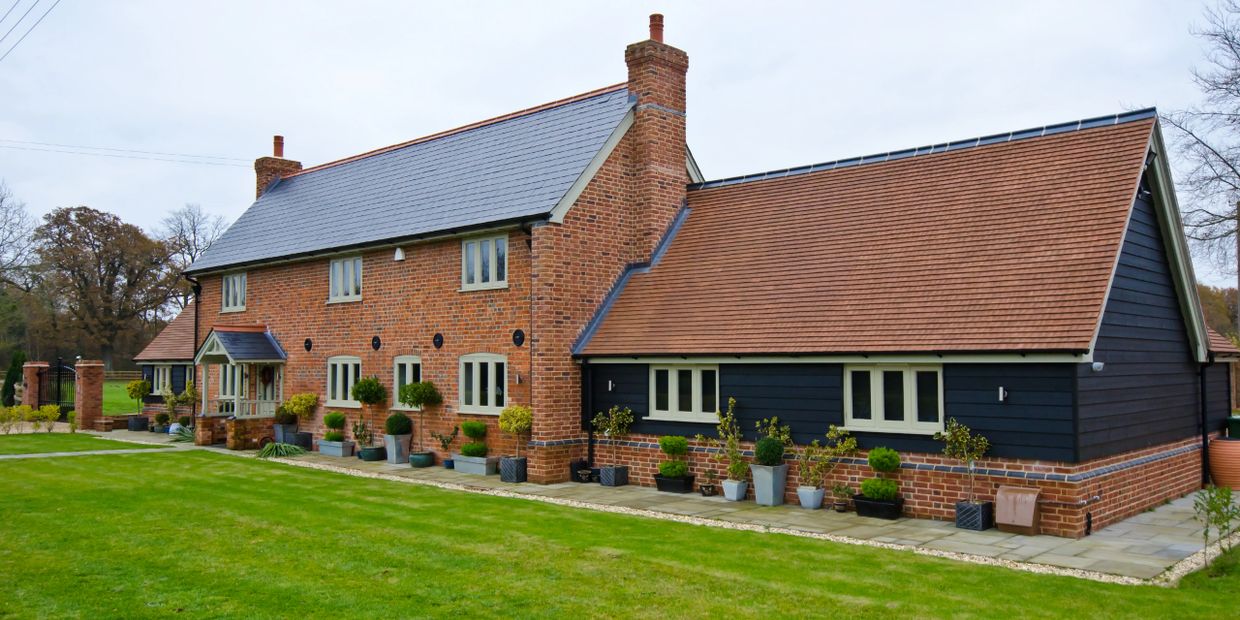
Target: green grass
[[35, 443], [116, 401], [197, 534]]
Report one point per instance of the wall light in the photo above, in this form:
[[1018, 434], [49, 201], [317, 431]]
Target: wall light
[[1097, 366]]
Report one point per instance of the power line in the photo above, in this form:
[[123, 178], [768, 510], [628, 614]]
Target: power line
[[19, 20], [6, 13], [118, 156], [36, 24], [104, 148]]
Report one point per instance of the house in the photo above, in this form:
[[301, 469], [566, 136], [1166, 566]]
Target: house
[[167, 363], [1034, 285]]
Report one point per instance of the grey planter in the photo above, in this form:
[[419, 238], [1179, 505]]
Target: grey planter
[[336, 448], [285, 433], [768, 483], [397, 448], [480, 465], [512, 469], [735, 490], [613, 475], [811, 498]]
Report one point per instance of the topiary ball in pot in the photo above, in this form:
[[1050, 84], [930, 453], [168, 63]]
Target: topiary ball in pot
[[673, 469], [880, 489], [474, 430], [674, 445], [398, 424], [369, 391], [334, 420], [769, 451], [884, 460], [334, 435], [474, 449], [162, 418]]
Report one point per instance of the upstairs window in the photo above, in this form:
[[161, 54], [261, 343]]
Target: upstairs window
[[894, 399], [684, 393], [234, 292], [484, 263], [345, 281], [342, 372], [483, 383], [406, 369]]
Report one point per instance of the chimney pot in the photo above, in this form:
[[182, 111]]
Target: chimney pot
[[277, 146], [656, 27]]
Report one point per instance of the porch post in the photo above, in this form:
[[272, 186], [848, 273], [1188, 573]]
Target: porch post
[[238, 385]]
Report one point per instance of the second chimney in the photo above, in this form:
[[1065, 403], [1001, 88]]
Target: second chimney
[[268, 169]]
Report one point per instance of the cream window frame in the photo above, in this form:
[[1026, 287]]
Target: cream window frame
[[344, 380], [232, 292], [471, 256], [397, 362], [345, 280], [477, 360], [673, 413], [232, 377], [161, 377], [877, 423]]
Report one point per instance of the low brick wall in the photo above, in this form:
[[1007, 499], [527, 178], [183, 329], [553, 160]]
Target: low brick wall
[[247, 433], [210, 430]]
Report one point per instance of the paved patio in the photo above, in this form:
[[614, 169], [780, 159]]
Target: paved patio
[[1141, 547]]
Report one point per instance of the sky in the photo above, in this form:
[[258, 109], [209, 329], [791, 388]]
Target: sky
[[770, 85]]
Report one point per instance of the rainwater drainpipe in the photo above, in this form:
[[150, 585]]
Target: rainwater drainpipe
[[587, 405], [197, 288], [1205, 428]]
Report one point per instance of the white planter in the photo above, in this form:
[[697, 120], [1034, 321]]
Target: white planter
[[480, 465], [811, 497], [336, 448], [397, 448], [768, 483], [735, 490]]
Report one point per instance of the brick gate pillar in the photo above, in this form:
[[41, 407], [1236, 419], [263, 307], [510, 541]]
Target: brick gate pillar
[[88, 397], [30, 378]]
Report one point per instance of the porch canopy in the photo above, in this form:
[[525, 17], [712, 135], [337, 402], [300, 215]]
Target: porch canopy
[[239, 350]]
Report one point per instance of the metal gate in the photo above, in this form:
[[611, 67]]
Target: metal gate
[[57, 386]]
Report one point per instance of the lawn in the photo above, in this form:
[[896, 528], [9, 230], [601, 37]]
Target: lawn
[[34, 443], [199, 534], [116, 401]]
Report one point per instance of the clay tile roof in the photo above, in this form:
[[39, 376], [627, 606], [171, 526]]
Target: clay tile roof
[[1220, 344], [1005, 244], [174, 343]]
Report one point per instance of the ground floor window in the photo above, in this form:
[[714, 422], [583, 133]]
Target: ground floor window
[[161, 379], [894, 398], [406, 369], [684, 393], [342, 373], [483, 383]]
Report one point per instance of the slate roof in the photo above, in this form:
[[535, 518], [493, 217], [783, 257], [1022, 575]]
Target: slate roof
[[506, 169], [1001, 244], [175, 343], [249, 343]]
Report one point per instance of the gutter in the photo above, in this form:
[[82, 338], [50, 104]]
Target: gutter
[[1205, 428], [197, 288]]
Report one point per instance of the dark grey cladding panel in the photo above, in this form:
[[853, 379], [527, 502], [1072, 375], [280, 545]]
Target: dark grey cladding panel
[[250, 346], [512, 169]]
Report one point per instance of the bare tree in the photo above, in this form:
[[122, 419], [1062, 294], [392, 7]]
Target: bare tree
[[16, 239], [188, 232]]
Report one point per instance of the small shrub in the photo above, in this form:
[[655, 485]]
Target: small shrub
[[71, 417], [284, 416], [183, 435], [728, 445], [7, 419], [674, 445], [770, 427], [280, 450], [445, 439], [22, 414], [333, 435], [363, 434], [335, 421], [138, 389], [302, 405], [474, 449], [420, 394], [884, 460], [162, 418], [369, 391], [816, 461], [185, 421], [880, 489], [49, 414], [516, 420], [614, 424], [474, 430], [769, 451], [841, 491], [962, 445], [1216, 510], [398, 424], [673, 469]]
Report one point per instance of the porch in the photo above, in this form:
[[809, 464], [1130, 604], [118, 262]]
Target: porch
[[243, 384]]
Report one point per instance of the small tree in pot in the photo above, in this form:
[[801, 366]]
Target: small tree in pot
[[841, 492], [445, 441], [397, 431], [516, 420], [728, 451], [290, 413], [880, 497], [961, 444], [419, 396], [473, 458], [333, 442], [138, 389], [769, 471], [816, 461], [365, 436], [614, 424], [674, 476]]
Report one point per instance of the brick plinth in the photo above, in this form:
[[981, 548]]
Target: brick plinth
[[88, 396], [247, 433], [30, 380], [209, 431]]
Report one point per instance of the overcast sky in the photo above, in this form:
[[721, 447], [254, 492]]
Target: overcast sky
[[771, 85]]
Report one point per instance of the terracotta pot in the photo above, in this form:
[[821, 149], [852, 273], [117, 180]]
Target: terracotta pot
[[1225, 462]]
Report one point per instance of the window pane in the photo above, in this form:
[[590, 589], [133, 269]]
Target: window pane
[[893, 395], [484, 384], [684, 390], [500, 378], [484, 260], [332, 379], [501, 259], [357, 276], [334, 272], [470, 248], [402, 379], [227, 292], [927, 396], [241, 290], [468, 378], [660, 390], [415, 373], [861, 401], [708, 392]]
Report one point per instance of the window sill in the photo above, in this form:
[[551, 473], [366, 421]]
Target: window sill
[[404, 408], [691, 419], [478, 411], [343, 300], [232, 310], [347, 404], [469, 288], [892, 430]]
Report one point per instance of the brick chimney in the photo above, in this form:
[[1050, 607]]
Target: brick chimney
[[657, 76], [266, 169]]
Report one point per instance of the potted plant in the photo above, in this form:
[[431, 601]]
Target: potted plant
[[397, 431], [880, 496], [284, 425], [445, 441], [674, 476], [369, 392], [298, 407], [516, 420], [769, 471], [333, 442], [727, 450], [709, 488], [138, 389], [420, 395], [161, 422], [841, 492], [614, 424], [815, 462], [961, 444], [365, 437], [473, 458]]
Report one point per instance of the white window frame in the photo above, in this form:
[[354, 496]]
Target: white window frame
[[673, 412], [231, 377], [344, 381], [348, 269], [397, 362], [232, 290], [471, 247], [161, 377], [877, 423], [477, 360]]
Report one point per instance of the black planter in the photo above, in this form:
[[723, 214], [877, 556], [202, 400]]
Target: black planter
[[512, 469], [683, 484], [285, 433], [305, 440], [879, 509], [373, 453], [138, 423], [979, 516], [708, 490], [576, 466], [613, 476], [584, 475]]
